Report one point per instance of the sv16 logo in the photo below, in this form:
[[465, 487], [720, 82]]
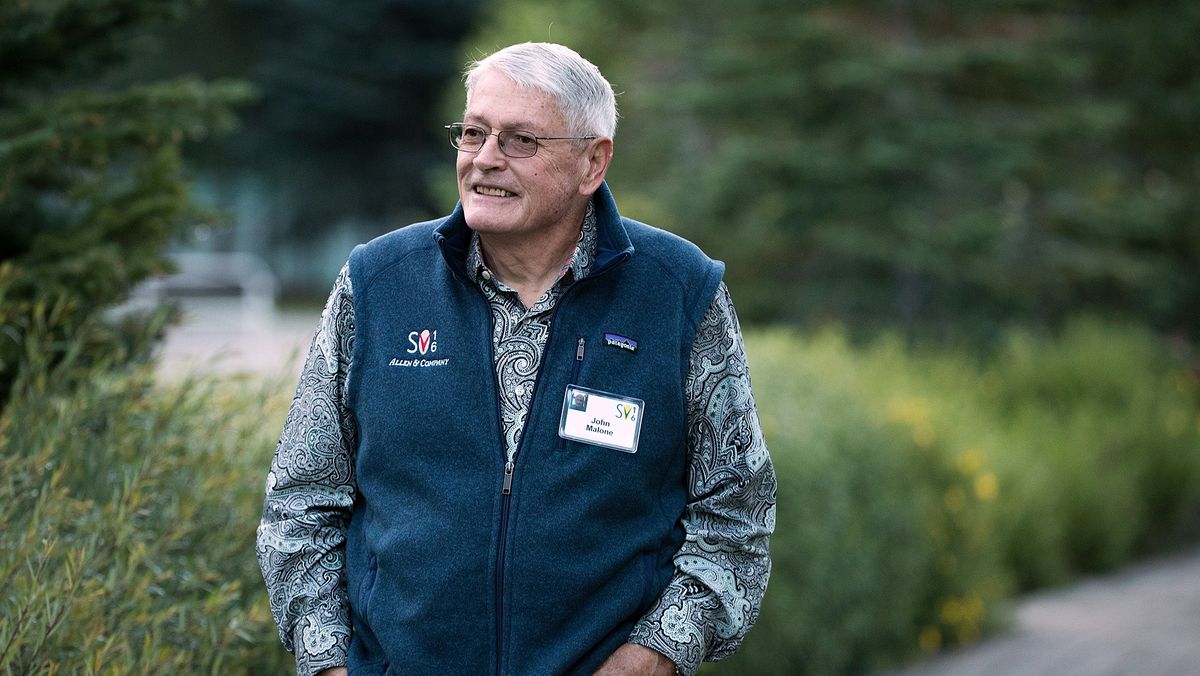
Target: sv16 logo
[[422, 341], [626, 412]]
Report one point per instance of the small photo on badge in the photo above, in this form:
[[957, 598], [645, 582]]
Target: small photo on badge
[[579, 401]]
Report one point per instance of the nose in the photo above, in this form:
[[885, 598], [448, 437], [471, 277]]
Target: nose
[[489, 156]]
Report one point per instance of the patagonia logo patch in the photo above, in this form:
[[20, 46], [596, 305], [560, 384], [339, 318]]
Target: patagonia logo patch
[[613, 340]]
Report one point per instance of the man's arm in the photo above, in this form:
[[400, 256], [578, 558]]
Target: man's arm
[[722, 568], [310, 492]]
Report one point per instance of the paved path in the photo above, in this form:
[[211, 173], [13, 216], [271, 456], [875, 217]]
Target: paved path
[[223, 336], [1144, 620]]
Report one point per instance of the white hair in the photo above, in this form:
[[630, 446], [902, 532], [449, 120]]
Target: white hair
[[584, 97]]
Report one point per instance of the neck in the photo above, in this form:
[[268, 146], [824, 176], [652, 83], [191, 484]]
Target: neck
[[531, 265]]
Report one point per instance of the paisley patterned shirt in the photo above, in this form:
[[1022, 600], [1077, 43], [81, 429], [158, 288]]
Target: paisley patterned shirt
[[519, 334], [721, 569]]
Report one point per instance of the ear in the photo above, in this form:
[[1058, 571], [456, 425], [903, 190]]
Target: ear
[[598, 156]]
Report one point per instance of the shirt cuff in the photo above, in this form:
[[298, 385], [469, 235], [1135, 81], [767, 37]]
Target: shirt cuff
[[319, 645], [680, 626]]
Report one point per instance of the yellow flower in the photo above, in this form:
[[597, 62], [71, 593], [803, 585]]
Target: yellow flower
[[973, 607], [951, 611], [987, 487], [930, 639], [970, 460], [911, 411]]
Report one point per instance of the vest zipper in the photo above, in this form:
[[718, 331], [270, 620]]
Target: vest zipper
[[505, 501], [502, 548], [510, 465], [508, 472]]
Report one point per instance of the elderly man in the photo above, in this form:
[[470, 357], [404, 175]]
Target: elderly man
[[524, 440]]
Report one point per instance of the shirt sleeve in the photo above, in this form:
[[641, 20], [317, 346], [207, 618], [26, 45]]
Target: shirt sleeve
[[309, 495], [722, 568]]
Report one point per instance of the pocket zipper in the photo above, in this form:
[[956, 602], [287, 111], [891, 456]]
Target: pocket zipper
[[580, 348]]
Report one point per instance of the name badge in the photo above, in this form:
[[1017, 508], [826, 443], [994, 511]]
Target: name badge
[[602, 419]]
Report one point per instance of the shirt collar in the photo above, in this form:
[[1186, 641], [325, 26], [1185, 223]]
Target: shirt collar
[[576, 267]]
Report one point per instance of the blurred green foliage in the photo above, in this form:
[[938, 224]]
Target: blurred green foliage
[[129, 512], [91, 187], [946, 167], [918, 490], [883, 542]]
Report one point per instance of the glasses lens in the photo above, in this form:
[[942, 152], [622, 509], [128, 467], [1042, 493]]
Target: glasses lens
[[467, 137], [518, 143]]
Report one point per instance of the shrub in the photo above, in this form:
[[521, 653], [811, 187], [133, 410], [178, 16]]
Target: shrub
[[91, 183], [915, 486], [883, 547], [129, 512], [920, 486], [1103, 420]]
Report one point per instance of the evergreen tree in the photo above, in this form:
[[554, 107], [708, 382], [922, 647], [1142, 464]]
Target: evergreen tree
[[1147, 55], [346, 127], [91, 186], [946, 167]]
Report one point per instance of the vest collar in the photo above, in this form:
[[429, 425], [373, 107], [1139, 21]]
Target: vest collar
[[453, 236]]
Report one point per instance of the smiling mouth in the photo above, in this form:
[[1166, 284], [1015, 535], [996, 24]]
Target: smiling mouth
[[493, 192]]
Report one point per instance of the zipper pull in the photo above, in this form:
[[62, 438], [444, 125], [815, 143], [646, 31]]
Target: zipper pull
[[579, 350], [508, 472]]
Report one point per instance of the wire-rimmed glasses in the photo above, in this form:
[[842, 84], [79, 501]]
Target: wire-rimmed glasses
[[514, 143]]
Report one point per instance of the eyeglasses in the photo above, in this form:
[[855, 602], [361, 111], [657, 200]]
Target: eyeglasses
[[513, 142]]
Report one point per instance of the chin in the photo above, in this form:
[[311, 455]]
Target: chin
[[486, 220], [490, 225]]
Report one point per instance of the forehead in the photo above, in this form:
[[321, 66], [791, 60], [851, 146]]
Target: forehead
[[496, 101]]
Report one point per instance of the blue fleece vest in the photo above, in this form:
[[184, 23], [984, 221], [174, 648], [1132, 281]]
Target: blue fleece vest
[[448, 575]]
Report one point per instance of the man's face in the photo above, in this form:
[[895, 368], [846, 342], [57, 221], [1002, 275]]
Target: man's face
[[526, 196]]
